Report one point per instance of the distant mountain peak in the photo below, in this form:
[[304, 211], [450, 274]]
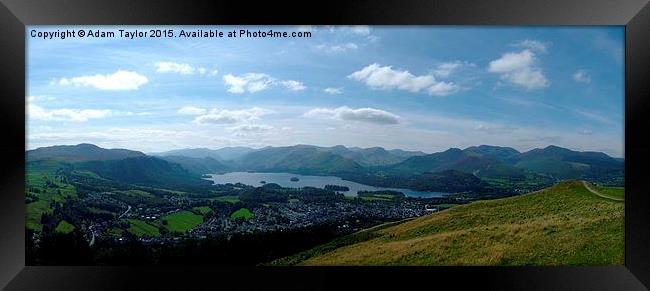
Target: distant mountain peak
[[81, 152], [453, 150], [86, 145]]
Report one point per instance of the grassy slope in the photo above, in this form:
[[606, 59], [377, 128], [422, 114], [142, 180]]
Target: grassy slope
[[242, 213], [203, 209], [37, 175], [561, 225], [64, 227], [614, 192], [142, 228], [230, 199], [182, 221]]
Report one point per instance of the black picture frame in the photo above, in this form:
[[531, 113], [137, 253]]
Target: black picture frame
[[634, 15]]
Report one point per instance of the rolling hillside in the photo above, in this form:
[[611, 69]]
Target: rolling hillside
[[119, 165], [375, 156], [503, 162], [563, 163], [483, 161], [222, 154], [562, 225], [81, 152], [141, 170], [302, 159], [198, 166]]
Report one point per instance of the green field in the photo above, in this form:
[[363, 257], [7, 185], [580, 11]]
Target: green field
[[116, 232], [375, 198], [614, 192], [135, 193], [64, 227], [142, 228], [203, 209], [242, 213], [43, 183], [562, 225], [446, 205], [182, 221], [34, 212], [229, 198]]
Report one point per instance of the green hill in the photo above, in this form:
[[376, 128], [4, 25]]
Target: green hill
[[222, 154], [143, 171], [81, 152], [302, 159], [483, 161], [563, 163], [375, 156], [562, 225], [198, 166]]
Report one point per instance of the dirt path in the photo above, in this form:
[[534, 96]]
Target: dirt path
[[599, 194]]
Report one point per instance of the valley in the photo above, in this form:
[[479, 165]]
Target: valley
[[102, 206], [561, 225]]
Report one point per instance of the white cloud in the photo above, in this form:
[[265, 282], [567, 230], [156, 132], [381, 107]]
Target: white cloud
[[363, 30], [582, 76], [520, 69], [171, 67], [533, 45], [384, 78], [191, 110], [183, 69], [336, 48], [594, 116], [256, 82], [251, 82], [251, 128], [120, 80], [38, 98], [64, 114], [304, 28], [370, 115], [495, 129], [217, 116], [333, 91], [293, 85], [131, 113], [444, 70]]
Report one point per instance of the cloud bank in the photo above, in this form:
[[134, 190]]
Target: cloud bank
[[520, 69], [380, 77], [120, 80], [369, 115]]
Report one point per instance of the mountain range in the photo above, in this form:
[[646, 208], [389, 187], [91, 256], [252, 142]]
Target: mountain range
[[374, 156], [376, 166]]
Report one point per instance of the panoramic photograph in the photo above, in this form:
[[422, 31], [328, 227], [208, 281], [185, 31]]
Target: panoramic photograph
[[325, 145]]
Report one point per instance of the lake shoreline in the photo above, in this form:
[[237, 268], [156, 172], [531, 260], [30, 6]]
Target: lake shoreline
[[284, 179]]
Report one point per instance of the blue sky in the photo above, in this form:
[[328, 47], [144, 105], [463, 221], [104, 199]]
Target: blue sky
[[414, 88]]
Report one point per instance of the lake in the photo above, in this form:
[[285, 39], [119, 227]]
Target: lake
[[284, 180]]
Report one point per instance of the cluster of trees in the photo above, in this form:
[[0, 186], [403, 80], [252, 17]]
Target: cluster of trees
[[445, 181], [393, 194], [311, 194], [270, 192], [58, 249], [236, 250], [336, 188]]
